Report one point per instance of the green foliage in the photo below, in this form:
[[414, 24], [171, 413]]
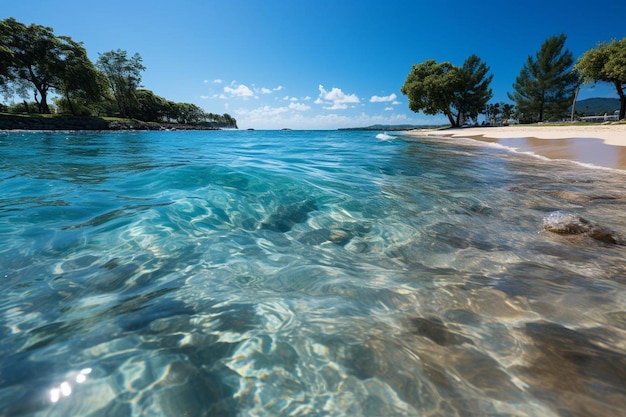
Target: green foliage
[[124, 76], [606, 63], [81, 85], [6, 54], [546, 84], [499, 112], [23, 107], [34, 62], [474, 91], [456, 92], [42, 62]]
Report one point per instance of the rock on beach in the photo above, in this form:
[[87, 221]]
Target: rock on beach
[[566, 223]]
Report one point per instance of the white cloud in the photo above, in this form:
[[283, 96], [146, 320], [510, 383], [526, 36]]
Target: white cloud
[[265, 90], [217, 81], [335, 99], [383, 99], [240, 91], [299, 107], [296, 117], [269, 112], [388, 108]]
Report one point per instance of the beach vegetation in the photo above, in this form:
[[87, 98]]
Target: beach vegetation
[[545, 87], [459, 93], [606, 63], [53, 74], [498, 113], [124, 76], [42, 63]]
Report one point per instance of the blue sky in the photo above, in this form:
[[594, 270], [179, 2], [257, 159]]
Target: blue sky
[[319, 64]]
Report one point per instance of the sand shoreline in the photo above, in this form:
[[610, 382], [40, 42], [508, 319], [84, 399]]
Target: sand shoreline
[[601, 145]]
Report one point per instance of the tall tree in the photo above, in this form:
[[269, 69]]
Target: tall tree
[[474, 92], [456, 92], [6, 54], [42, 62], [546, 84], [79, 82], [36, 58], [124, 75], [607, 63]]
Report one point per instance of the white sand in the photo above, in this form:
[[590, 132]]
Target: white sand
[[611, 134], [600, 145]]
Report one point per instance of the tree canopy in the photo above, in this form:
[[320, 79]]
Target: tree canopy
[[42, 62], [546, 84], [459, 93], [606, 63], [124, 76], [36, 63]]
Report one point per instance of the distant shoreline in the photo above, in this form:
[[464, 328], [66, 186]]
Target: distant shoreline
[[10, 122]]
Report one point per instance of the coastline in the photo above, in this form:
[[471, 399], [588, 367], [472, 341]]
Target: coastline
[[9, 122], [599, 145]]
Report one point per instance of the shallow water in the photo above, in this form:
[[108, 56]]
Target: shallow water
[[327, 273]]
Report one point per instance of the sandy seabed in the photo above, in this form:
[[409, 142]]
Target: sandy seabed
[[601, 145]]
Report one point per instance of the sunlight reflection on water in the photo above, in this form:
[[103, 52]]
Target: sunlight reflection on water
[[304, 273]]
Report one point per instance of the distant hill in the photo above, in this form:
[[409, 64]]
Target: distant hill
[[597, 106]]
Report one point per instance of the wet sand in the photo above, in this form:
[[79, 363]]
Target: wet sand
[[601, 145]]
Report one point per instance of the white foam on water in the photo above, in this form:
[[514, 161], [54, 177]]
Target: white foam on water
[[385, 136]]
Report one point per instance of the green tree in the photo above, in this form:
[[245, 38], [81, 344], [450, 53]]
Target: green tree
[[507, 110], [41, 62], [229, 121], [80, 84], [35, 60], [152, 108], [606, 63], [499, 112], [456, 92], [474, 92], [6, 54], [546, 84], [124, 76], [492, 112]]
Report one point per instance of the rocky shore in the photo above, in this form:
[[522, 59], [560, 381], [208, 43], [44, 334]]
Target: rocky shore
[[20, 122]]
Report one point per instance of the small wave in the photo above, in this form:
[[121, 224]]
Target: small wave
[[385, 136], [534, 154]]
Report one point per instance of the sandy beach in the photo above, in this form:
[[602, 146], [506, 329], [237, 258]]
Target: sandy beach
[[601, 145]]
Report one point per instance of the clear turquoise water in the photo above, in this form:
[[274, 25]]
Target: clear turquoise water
[[327, 273]]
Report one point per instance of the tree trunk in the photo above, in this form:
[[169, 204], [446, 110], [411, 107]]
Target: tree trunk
[[43, 104], [622, 101], [69, 103], [450, 116]]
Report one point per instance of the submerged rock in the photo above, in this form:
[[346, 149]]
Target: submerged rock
[[435, 329], [285, 217], [566, 223]]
